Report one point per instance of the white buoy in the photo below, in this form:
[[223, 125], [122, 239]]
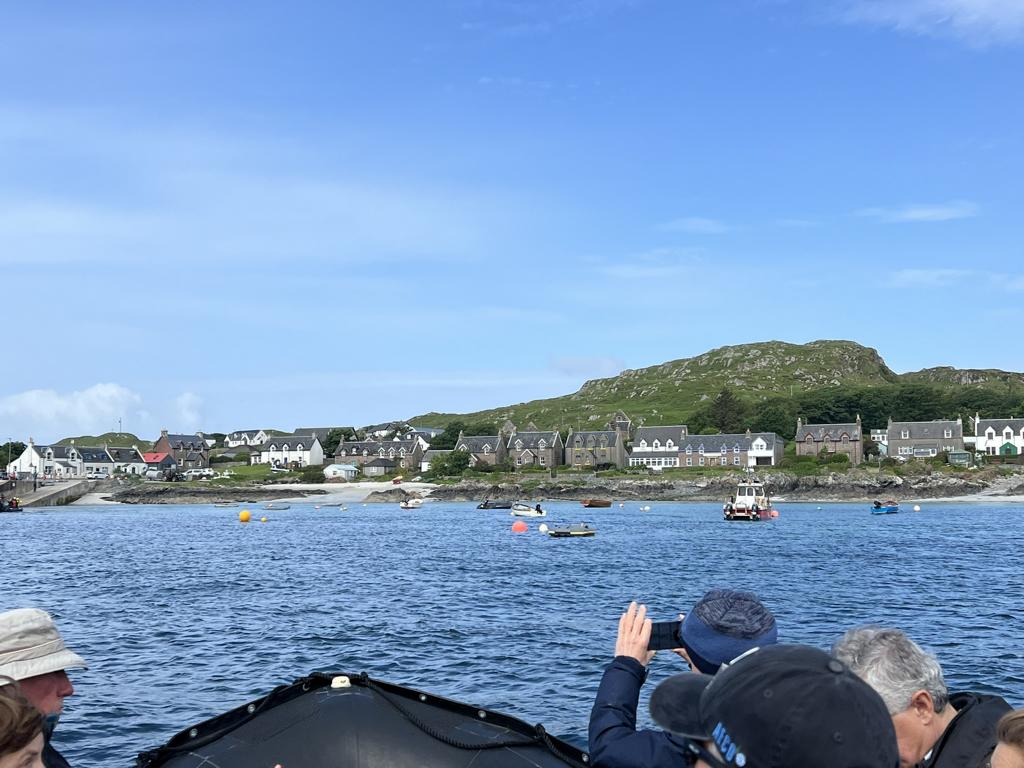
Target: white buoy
[[819, 507], [645, 508], [621, 505], [543, 527], [917, 507]]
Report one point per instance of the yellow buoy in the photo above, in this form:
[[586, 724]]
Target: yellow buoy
[[263, 519], [243, 516]]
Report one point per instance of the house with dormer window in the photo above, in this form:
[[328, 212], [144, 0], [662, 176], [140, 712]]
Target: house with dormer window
[[657, 447], [404, 453], [535, 448], [812, 439], [598, 448], [246, 437], [288, 450], [999, 437], [483, 449], [56, 461], [924, 439], [737, 451], [189, 451]]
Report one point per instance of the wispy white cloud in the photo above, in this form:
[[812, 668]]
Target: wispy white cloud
[[188, 406], [980, 22], [933, 278], [655, 263], [696, 225], [913, 214], [43, 412]]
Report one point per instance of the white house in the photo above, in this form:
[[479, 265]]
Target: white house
[[245, 437], [999, 437], [127, 460], [57, 461], [657, 447], [341, 472], [283, 450]]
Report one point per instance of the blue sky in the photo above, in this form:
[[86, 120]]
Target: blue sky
[[236, 215]]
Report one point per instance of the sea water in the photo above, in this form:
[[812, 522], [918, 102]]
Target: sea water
[[182, 612]]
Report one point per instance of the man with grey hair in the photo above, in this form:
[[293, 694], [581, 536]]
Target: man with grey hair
[[934, 729]]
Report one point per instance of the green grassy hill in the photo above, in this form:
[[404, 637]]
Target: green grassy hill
[[113, 439], [821, 380]]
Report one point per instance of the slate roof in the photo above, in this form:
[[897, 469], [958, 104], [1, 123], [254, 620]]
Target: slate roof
[[593, 439], [477, 443], [532, 440], [661, 434], [129, 455], [279, 441], [373, 446], [1015, 425], [433, 454], [187, 442], [714, 443], [378, 462], [94, 455], [248, 432], [926, 430], [59, 451], [833, 432]]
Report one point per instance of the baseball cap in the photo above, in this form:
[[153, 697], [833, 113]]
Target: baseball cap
[[783, 706], [724, 624], [30, 645]]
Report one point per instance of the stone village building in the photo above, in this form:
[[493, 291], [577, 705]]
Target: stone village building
[[404, 454], [924, 439], [594, 449], [189, 451], [535, 449], [812, 439]]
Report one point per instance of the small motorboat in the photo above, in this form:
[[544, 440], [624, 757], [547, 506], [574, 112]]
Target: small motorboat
[[276, 505], [571, 531], [887, 507], [226, 504], [525, 510], [356, 721], [494, 504], [596, 503], [411, 504]]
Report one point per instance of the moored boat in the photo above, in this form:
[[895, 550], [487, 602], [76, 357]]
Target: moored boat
[[887, 507], [596, 503], [571, 531], [494, 504], [411, 504], [353, 720], [277, 505], [750, 503], [525, 510]]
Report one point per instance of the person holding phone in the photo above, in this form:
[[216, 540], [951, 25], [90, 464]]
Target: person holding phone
[[723, 625]]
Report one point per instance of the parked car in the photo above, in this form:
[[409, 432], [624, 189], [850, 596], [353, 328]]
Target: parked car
[[279, 469], [95, 476], [198, 474]]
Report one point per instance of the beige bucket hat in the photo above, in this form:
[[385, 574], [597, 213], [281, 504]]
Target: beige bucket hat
[[30, 645]]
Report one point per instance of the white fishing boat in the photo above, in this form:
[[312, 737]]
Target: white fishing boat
[[276, 505], [525, 510], [411, 504]]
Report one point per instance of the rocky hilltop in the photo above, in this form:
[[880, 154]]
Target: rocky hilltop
[[673, 392]]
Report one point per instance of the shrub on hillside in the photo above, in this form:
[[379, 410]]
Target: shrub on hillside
[[312, 475]]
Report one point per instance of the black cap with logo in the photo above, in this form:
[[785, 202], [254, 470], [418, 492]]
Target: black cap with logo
[[782, 706]]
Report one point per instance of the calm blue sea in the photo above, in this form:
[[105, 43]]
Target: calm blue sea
[[182, 612]]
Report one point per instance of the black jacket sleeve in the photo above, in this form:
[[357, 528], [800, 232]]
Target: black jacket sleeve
[[614, 740]]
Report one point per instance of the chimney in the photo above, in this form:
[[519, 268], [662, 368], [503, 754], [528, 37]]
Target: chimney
[[799, 422], [858, 418], [163, 433]]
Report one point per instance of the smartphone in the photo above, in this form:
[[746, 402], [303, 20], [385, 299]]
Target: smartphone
[[665, 635]]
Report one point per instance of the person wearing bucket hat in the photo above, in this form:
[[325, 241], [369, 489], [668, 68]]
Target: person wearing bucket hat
[[783, 706], [722, 625], [33, 653]]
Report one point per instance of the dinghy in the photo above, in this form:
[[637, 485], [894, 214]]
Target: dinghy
[[354, 721]]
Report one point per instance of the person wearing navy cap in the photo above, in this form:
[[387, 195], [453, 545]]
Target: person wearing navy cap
[[724, 624], [783, 706]]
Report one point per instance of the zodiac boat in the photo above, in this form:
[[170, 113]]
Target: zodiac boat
[[330, 719]]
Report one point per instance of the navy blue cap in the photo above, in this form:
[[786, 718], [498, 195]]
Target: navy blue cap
[[784, 706], [726, 623]]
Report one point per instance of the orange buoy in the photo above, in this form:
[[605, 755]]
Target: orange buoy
[[244, 516], [519, 527]]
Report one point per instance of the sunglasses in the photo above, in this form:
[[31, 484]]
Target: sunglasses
[[697, 752]]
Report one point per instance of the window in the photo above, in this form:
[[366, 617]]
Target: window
[[643, 443], [487, 449], [846, 439], [657, 445], [736, 460], [519, 460], [947, 433], [700, 450], [702, 461], [543, 459], [689, 450], [809, 440], [724, 449], [905, 434], [542, 445], [1007, 434], [689, 461]]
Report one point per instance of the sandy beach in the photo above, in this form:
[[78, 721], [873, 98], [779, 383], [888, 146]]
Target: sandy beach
[[334, 493]]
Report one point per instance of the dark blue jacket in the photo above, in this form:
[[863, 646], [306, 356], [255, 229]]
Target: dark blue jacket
[[614, 740]]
